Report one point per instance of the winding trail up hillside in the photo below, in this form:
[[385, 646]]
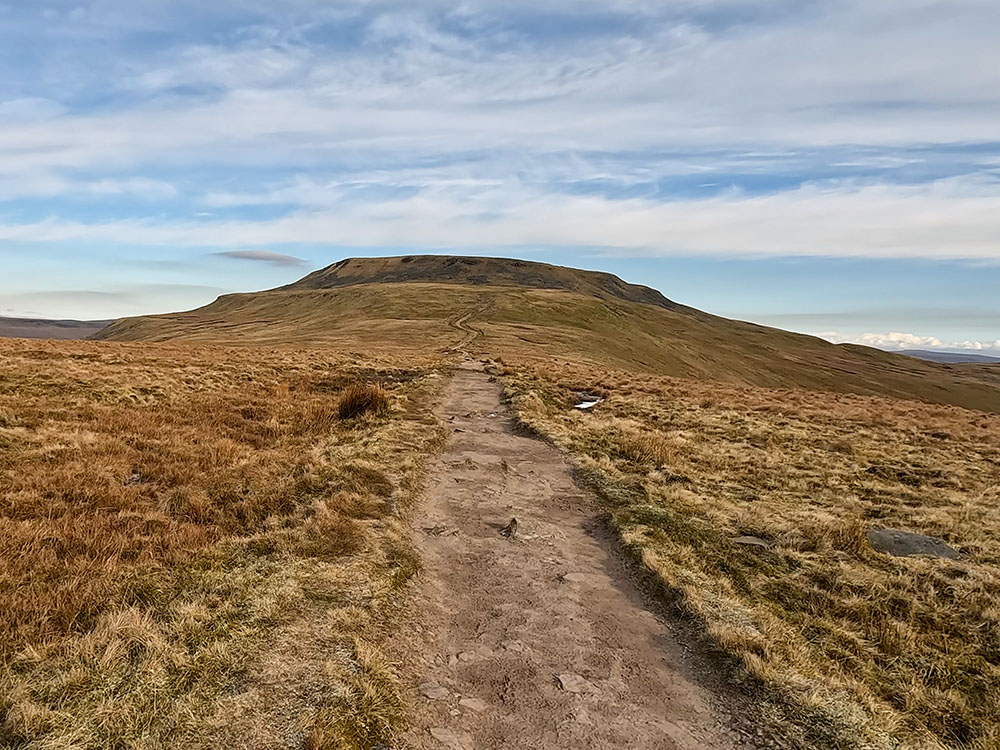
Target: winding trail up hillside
[[411, 306], [539, 640]]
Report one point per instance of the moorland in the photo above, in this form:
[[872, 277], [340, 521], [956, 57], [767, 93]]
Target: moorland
[[200, 509]]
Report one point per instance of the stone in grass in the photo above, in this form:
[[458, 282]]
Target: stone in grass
[[752, 541], [574, 683], [906, 544]]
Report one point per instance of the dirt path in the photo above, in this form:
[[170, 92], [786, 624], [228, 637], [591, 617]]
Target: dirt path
[[540, 641], [470, 333]]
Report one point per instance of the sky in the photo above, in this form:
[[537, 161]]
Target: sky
[[830, 167]]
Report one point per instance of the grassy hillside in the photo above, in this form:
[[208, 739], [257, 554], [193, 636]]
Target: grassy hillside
[[197, 548], [200, 544], [879, 651], [582, 319]]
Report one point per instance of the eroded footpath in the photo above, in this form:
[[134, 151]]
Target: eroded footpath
[[539, 640]]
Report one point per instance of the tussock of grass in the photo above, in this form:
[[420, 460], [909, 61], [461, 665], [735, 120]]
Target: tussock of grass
[[368, 709], [879, 649], [358, 399], [164, 511]]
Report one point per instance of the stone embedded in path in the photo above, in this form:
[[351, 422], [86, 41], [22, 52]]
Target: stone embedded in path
[[473, 704], [450, 739], [440, 530], [510, 530], [906, 544], [433, 691], [574, 683]]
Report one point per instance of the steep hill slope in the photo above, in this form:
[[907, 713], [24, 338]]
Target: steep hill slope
[[534, 311]]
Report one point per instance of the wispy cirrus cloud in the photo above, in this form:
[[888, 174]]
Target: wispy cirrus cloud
[[264, 256]]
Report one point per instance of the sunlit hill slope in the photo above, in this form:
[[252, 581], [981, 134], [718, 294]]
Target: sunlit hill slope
[[524, 310]]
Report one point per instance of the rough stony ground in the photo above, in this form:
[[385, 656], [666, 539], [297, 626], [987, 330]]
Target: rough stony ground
[[540, 640]]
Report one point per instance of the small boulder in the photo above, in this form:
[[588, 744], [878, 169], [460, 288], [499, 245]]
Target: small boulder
[[900, 543], [451, 740], [574, 683], [433, 691], [510, 530]]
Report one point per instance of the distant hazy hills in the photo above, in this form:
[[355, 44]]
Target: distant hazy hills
[[423, 305], [950, 357], [32, 328]]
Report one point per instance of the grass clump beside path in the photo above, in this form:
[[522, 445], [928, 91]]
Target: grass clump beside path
[[883, 651], [359, 399], [195, 549]]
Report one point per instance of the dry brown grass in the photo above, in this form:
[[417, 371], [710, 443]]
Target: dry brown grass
[[164, 509], [358, 399], [878, 650], [367, 712], [416, 318]]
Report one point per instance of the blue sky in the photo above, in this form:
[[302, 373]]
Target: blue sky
[[830, 167]]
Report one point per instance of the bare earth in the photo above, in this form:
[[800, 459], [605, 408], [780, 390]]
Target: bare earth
[[542, 640]]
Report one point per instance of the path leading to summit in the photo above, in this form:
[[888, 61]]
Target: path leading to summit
[[538, 639]]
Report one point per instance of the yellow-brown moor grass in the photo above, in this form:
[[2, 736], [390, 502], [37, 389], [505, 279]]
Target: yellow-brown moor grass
[[186, 531], [880, 651]]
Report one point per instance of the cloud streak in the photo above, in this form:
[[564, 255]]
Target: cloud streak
[[954, 219], [264, 256]]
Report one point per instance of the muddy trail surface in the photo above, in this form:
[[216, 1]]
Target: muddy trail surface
[[539, 638]]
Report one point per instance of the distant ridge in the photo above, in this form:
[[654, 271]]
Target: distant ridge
[[951, 358], [477, 271], [37, 328]]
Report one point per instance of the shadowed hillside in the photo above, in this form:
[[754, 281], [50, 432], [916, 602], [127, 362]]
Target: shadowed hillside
[[533, 311], [34, 328]]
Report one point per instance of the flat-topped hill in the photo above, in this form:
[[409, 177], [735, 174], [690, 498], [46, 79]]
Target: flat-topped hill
[[518, 310], [477, 271]]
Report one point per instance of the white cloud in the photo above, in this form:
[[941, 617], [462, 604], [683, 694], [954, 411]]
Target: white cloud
[[896, 340], [946, 219], [485, 123], [836, 73], [45, 184], [138, 187]]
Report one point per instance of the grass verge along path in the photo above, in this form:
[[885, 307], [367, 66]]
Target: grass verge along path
[[883, 650], [196, 549]]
